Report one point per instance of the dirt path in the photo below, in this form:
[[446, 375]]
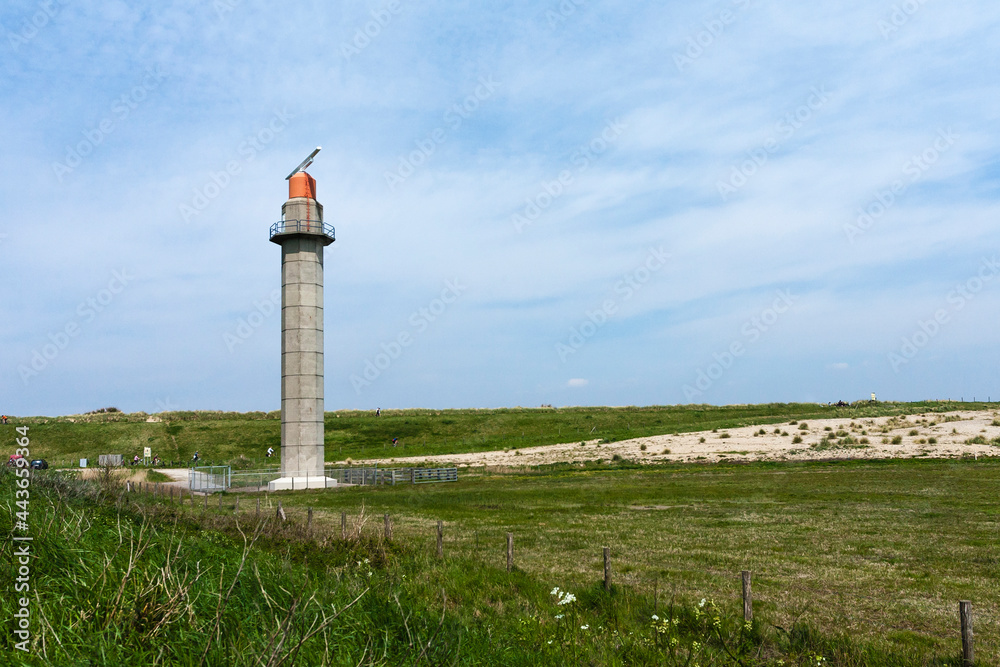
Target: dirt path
[[938, 435]]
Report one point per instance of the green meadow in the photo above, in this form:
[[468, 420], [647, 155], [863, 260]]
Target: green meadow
[[853, 562]]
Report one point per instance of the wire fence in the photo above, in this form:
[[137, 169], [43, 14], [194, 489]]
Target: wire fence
[[209, 479]]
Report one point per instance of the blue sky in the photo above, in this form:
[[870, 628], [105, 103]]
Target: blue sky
[[569, 203]]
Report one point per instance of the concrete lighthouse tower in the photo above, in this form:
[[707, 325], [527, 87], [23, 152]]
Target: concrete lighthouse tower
[[302, 235]]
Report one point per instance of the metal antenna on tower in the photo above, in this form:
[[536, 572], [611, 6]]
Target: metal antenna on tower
[[305, 163]]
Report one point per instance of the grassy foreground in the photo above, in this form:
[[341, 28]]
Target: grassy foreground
[[129, 578], [881, 550], [857, 564], [241, 439]]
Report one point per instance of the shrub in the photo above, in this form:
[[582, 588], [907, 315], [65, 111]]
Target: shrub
[[723, 436], [978, 440], [701, 439], [897, 440], [792, 423], [803, 426], [797, 439], [642, 447], [616, 457], [864, 441], [932, 441], [914, 432], [666, 451], [827, 428]]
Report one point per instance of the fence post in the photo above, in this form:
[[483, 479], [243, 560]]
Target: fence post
[[236, 510], [192, 498], [220, 500], [309, 522], [965, 612], [607, 569], [343, 525], [440, 539], [205, 508], [258, 505], [510, 551], [388, 529], [281, 512], [747, 597]]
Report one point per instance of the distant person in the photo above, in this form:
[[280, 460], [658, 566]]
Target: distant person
[[378, 413], [156, 460], [3, 419], [196, 457], [394, 441], [135, 460], [270, 452]]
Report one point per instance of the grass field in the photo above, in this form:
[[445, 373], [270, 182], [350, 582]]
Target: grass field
[[855, 564], [241, 439], [860, 562], [881, 550]]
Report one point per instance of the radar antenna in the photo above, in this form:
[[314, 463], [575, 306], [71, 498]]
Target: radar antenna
[[305, 163]]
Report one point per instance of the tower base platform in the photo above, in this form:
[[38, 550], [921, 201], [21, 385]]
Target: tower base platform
[[301, 483]]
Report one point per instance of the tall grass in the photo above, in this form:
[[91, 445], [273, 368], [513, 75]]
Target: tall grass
[[124, 578]]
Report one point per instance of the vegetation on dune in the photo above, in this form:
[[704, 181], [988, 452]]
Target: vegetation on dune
[[127, 578], [241, 439]]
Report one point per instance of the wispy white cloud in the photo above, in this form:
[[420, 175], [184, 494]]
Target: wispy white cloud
[[561, 80]]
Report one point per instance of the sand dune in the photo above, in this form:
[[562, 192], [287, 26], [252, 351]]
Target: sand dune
[[950, 430]]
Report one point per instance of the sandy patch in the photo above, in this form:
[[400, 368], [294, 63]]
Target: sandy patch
[[938, 435], [179, 476]]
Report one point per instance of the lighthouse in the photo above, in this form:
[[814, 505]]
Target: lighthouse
[[302, 235]]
